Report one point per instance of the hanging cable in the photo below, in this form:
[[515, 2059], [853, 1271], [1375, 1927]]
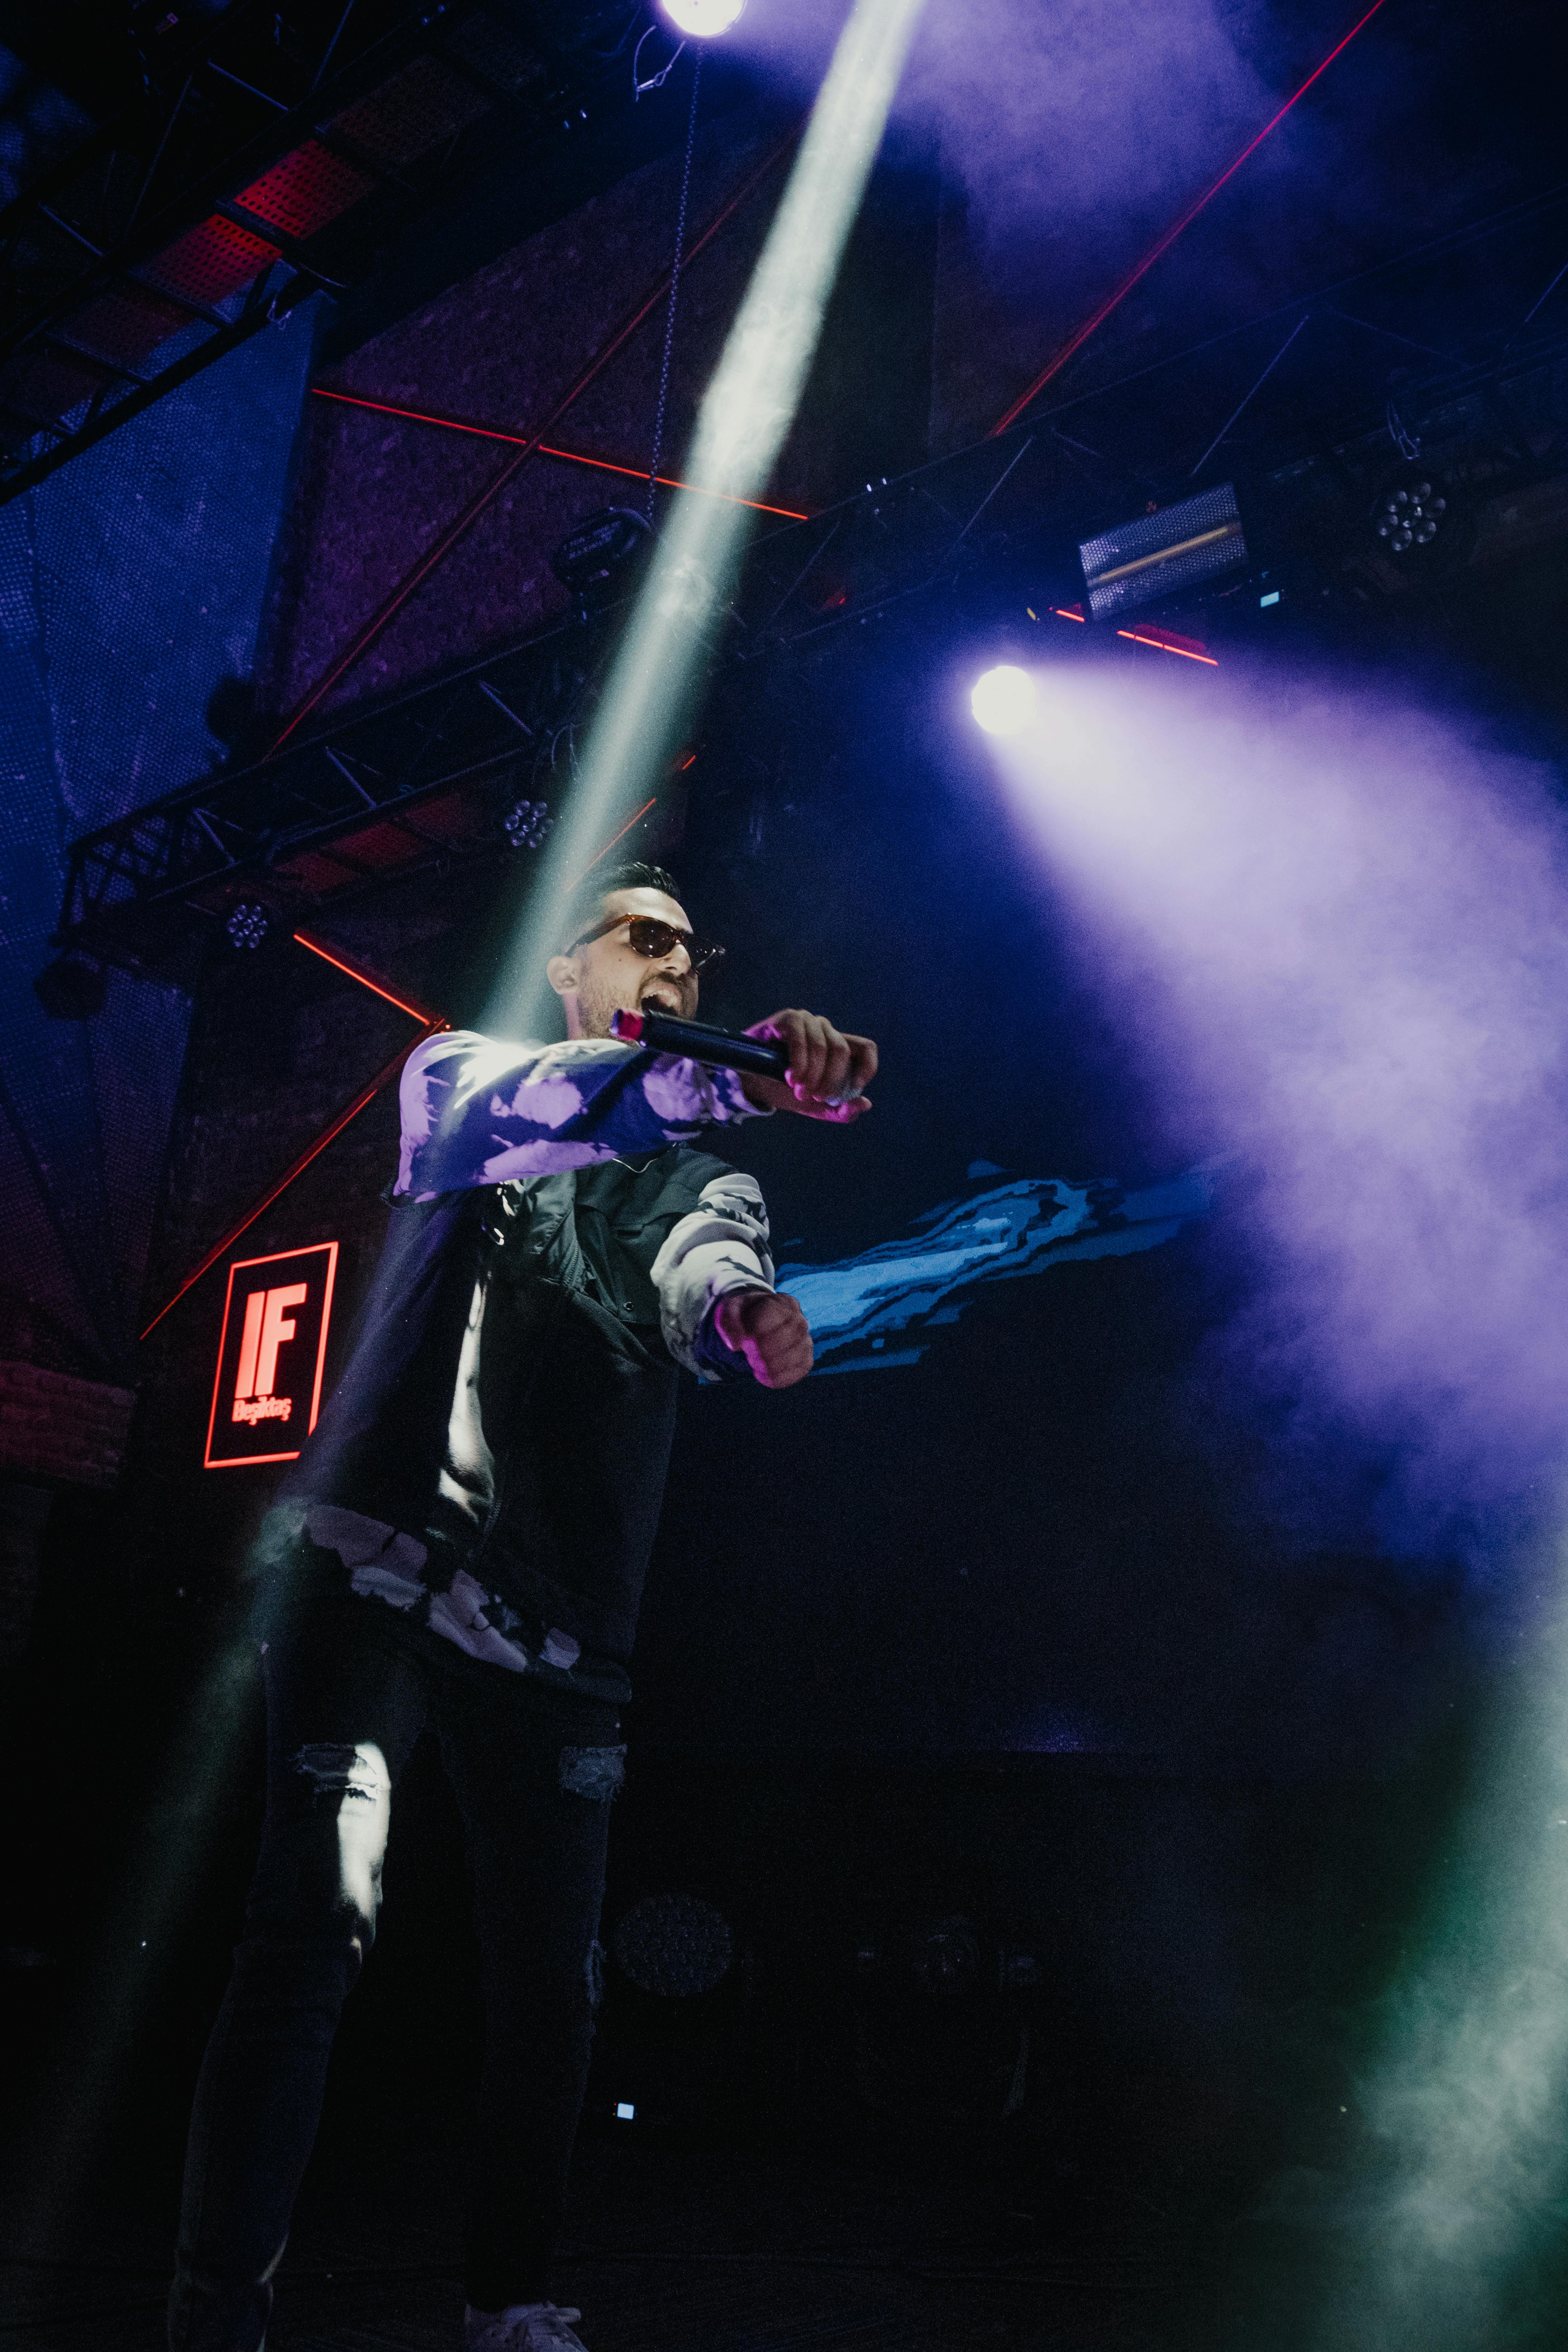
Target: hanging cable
[[655, 82], [674, 290]]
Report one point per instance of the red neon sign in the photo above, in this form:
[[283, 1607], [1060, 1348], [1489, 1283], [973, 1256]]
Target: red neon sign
[[270, 1358]]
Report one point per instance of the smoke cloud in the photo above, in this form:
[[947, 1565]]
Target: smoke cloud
[[1338, 924], [1070, 108]]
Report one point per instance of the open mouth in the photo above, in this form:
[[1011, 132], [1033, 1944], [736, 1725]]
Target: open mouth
[[660, 1000]]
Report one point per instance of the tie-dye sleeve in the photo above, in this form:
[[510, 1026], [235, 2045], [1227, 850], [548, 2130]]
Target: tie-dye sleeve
[[477, 1110], [721, 1245]]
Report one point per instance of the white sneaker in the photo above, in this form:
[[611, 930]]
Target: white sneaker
[[521, 2327]]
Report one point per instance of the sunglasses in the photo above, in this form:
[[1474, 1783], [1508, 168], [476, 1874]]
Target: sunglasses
[[653, 939]]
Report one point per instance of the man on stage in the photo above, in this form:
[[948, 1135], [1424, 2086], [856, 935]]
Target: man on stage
[[462, 1544]]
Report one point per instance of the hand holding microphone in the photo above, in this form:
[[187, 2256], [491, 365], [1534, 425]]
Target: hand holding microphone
[[792, 1061], [825, 1072]]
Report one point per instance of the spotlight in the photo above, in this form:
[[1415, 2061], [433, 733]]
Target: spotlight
[[71, 988], [702, 20], [1411, 515], [947, 1957], [675, 1945], [1004, 700], [527, 824], [248, 925]]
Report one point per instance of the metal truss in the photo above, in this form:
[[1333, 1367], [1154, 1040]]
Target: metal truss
[[271, 157], [523, 446], [426, 779], [1167, 238], [1015, 508]]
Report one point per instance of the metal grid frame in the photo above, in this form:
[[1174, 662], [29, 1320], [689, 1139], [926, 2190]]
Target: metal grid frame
[[120, 276], [424, 779]]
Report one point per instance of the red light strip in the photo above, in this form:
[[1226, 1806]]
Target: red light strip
[[297, 1167], [1069, 613], [436, 553], [1162, 645], [431, 1023], [1164, 244], [377, 988], [571, 456]]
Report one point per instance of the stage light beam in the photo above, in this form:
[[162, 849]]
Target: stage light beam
[[747, 410], [1003, 700]]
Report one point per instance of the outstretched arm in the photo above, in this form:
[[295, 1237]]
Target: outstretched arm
[[721, 1314], [477, 1110]]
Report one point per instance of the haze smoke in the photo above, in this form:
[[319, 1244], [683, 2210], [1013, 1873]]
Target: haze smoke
[[1338, 925], [1051, 114]]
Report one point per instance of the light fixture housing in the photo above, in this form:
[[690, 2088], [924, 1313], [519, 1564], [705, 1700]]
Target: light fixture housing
[[1175, 547], [674, 1945], [1409, 516], [249, 924], [528, 824], [595, 559], [702, 20], [1003, 699]]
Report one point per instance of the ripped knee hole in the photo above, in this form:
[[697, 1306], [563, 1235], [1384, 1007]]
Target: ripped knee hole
[[351, 1774]]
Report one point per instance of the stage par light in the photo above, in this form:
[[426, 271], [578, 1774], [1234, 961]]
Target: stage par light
[[702, 20], [1003, 700]]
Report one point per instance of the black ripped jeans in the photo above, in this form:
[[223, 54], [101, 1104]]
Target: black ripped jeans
[[350, 1685]]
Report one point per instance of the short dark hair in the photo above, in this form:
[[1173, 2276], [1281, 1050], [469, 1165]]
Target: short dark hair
[[587, 903]]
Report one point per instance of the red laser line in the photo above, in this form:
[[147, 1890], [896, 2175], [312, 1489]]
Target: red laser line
[[1159, 643], [612, 841], [367, 1094], [431, 1023], [1164, 244], [388, 611], [671, 482], [572, 456], [376, 988]]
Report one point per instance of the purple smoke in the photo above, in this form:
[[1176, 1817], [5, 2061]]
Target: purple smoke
[[1338, 925], [1049, 116]]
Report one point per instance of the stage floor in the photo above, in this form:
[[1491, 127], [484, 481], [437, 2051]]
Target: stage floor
[[669, 2249]]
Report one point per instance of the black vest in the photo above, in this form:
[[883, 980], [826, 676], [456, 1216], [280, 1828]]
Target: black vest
[[577, 1390]]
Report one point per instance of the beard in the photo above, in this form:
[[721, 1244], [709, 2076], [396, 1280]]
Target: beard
[[598, 1000]]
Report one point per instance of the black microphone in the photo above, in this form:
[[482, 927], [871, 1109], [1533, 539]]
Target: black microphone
[[665, 1033]]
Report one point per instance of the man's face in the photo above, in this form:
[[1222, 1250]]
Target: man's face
[[608, 975]]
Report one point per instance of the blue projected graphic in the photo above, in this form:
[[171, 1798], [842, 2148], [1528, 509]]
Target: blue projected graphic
[[902, 1289]]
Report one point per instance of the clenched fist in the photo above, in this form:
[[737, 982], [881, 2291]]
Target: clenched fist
[[769, 1329]]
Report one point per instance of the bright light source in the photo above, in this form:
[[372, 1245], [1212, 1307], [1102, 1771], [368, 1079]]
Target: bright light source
[[1004, 700], [702, 20], [625, 2111]]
